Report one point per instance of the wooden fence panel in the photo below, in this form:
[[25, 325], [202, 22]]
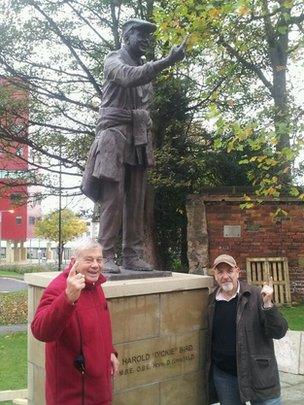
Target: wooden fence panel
[[260, 269]]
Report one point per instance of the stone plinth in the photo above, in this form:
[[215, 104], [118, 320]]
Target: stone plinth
[[158, 331]]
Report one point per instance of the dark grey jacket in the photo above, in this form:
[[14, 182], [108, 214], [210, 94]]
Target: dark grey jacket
[[258, 375]]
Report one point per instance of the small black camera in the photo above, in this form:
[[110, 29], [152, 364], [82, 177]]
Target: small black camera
[[79, 363]]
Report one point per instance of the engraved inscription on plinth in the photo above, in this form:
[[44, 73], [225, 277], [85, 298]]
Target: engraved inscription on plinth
[[157, 359]]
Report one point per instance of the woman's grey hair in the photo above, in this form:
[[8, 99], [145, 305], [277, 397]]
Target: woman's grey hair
[[86, 244]]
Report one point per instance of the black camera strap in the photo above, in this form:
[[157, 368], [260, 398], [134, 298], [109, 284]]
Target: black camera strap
[[79, 361]]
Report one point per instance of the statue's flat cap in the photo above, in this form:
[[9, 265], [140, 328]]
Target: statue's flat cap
[[139, 25]]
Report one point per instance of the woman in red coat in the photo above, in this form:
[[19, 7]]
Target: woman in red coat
[[74, 321]]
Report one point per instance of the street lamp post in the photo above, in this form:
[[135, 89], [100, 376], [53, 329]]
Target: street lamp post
[[60, 250], [1, 212]]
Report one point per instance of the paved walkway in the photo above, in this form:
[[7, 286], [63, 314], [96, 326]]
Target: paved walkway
[[8, 284], [13, 328], [292, 389]]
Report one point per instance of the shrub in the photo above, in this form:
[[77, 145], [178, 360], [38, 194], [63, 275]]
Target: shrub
[[13, 307], [28, 267]]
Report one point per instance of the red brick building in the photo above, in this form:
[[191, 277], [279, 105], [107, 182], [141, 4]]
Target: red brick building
[[16, 226], [217, 224]]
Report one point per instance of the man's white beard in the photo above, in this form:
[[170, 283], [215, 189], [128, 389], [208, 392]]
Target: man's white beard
[[227, 286]]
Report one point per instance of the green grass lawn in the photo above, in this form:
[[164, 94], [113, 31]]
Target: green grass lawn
[[13, 308], [13, 355], [13, 274], [294, 316]]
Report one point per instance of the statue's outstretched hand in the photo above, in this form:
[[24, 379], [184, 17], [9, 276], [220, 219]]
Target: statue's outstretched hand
[[178, 52]]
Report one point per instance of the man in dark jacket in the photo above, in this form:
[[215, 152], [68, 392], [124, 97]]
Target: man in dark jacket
[[74, 321], [242, 320], [116, 170]]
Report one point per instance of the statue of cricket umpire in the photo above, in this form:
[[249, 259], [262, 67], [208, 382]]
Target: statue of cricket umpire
[[116, 169]]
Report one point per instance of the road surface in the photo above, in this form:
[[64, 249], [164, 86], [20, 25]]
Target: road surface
[[10, 285]]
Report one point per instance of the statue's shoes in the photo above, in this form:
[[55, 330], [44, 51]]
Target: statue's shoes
[[136, 263], [109, 266]]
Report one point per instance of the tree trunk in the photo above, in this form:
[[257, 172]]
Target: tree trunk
[[281, 118], [60, 249], [151, 252], [279, 58], [184, 247]]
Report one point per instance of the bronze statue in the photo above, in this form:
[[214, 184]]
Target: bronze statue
[[115, 173]]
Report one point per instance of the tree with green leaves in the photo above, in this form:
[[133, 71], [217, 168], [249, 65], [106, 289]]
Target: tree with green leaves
[[186, 163], [243, 51], [71, 227]]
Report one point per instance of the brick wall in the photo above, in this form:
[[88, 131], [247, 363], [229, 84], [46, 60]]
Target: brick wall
[[262, 234]]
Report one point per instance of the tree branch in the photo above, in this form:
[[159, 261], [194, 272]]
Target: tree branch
[[30, 86], [246, 64], [107, 43], [36, 165], [297, 19], [65, 40], [270, 34], [8, 136]]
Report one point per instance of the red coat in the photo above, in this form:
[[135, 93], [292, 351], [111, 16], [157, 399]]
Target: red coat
[[69, 329]]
